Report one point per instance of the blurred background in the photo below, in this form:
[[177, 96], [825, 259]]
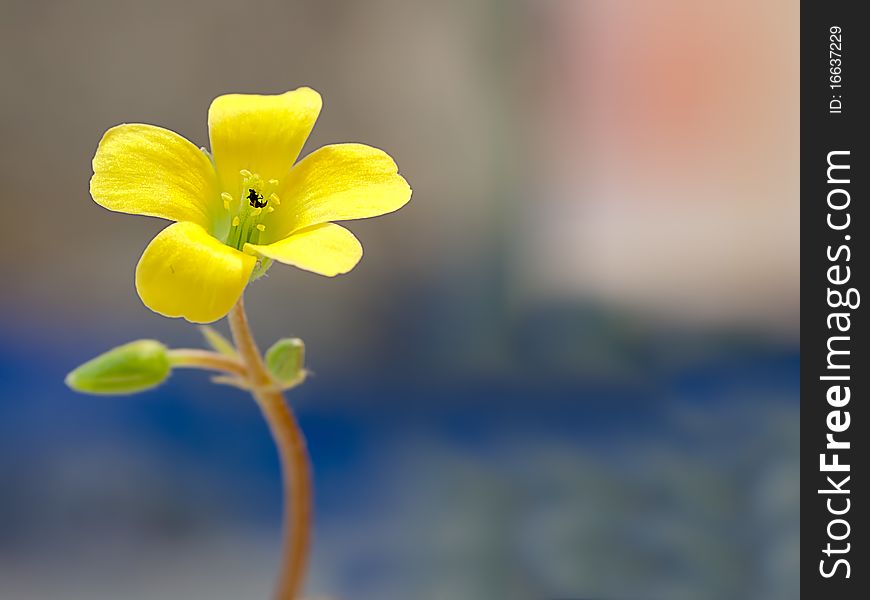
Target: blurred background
[[567, 369]]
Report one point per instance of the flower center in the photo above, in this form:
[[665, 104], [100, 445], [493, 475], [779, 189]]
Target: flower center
[[253, 202]]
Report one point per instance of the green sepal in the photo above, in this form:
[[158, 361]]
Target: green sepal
[[286, 360], [264, 263], [127, 369], [217, 341]]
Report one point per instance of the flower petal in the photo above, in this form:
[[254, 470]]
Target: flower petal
[[326, 249], [185, 272], [338, 183], [263, 134], [148, 170]]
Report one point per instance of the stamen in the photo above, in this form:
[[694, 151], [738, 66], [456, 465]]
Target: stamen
[[255, 198]]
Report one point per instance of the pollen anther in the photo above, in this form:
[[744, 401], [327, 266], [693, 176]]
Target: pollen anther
[[261, 227]]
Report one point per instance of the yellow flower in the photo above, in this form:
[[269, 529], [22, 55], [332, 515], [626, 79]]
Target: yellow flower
[[244, 205]]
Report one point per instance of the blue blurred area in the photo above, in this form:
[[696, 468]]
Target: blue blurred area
[[670, 471]]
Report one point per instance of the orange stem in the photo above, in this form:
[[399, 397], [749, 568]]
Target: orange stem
[[295, 465], [204, 359]]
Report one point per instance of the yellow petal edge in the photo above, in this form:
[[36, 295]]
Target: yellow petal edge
[[260, 133], [339, 182], [184, 272], [326, 249], [147, 170]]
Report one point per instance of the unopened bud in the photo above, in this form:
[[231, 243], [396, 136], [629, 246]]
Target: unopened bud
[[286, 360], [127, 369]]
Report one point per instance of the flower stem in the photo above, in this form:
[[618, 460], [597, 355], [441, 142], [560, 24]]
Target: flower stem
[[204, 359], [295, 467]]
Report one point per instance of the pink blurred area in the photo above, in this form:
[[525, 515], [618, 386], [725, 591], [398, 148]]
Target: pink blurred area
[[665, 141]]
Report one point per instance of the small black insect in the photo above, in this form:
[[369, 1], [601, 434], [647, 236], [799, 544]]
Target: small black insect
[[256, 199]]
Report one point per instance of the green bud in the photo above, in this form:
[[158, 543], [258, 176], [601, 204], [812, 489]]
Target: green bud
[[286, 360], [127, 369]]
